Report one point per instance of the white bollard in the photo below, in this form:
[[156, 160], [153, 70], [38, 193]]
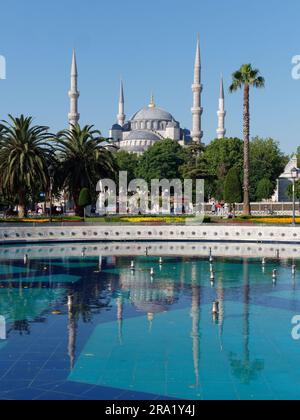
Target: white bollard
[[132, 266], [26, 259], [152, 272]]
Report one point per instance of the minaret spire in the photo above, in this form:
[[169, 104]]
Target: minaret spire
[[74, 94], [152, 103], [221, 131], [197, 87], [121, 114]]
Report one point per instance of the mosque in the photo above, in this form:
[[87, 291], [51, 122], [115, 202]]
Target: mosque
[[151, 123]]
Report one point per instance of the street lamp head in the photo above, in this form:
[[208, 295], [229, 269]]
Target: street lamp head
[[295, 173]]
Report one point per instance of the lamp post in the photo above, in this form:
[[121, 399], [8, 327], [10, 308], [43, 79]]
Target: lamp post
[[51, 176], [295, 174]]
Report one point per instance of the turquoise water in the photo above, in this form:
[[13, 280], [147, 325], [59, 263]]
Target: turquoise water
[[84, 328]]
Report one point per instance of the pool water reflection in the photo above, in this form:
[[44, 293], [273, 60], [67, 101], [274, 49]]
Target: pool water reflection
[[92, 328]]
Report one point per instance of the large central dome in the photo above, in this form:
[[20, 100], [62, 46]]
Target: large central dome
[[152, 114]]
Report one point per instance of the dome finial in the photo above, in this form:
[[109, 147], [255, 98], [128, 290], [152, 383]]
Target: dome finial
[[152, 103]]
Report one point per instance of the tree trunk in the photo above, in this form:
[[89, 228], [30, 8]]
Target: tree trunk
[[247, 210], [21, 206]]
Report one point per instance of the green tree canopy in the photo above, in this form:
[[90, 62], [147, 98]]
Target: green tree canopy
[[127, 162], [266, 161], [162, 160], [25, 154], [264, 189], [83, 160], [297, 190], [217, 159], [85, 198], [233, 187], [298, 156]]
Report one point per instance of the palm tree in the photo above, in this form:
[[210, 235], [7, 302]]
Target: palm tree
[[25, 153], [83, 159], [245, 78]]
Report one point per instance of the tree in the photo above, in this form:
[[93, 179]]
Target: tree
[[298, 156], [85, 199], [264, 189], [196, 167], [245, 78], [267, 162], [83, 160], [297, 190], [217, 159], [127, 162], [233, 188], [162, 160], [25, 154]]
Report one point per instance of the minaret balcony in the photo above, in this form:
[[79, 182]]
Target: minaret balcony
[[73, 116], [197, 110], [197, 87], [74, 94]]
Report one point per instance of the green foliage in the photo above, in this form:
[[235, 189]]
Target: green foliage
[[246, 75], [224, 154], [25, 154], [297, 190], [266, 161], [162, 160], [127, 162], [218, 158], [83, 160], [264, 189], [298, 157], [85, 198], [233, 188]]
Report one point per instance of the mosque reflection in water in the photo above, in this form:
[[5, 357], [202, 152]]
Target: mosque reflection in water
[[108, 290]]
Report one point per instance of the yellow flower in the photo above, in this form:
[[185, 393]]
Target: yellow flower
[[276, 220]]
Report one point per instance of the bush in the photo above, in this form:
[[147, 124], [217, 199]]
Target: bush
[[264, 189], [85, 198]]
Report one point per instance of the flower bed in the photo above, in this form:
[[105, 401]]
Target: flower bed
[[276, 220]]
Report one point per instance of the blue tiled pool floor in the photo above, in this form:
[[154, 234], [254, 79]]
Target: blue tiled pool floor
[[118, 334]]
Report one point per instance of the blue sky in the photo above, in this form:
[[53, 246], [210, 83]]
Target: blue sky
[[152, 45]]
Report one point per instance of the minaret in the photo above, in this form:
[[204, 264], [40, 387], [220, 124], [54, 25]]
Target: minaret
[[120, 318], [197, 87], [121, 114], [74, 94], [221, 131]]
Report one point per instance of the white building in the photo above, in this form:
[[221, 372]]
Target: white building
[[284, 181]]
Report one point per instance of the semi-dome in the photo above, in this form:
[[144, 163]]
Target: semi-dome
[[116, 127], [143, 135], [152, 114]]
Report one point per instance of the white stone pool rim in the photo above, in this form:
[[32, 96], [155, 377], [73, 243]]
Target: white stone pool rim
[[144, 233]]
